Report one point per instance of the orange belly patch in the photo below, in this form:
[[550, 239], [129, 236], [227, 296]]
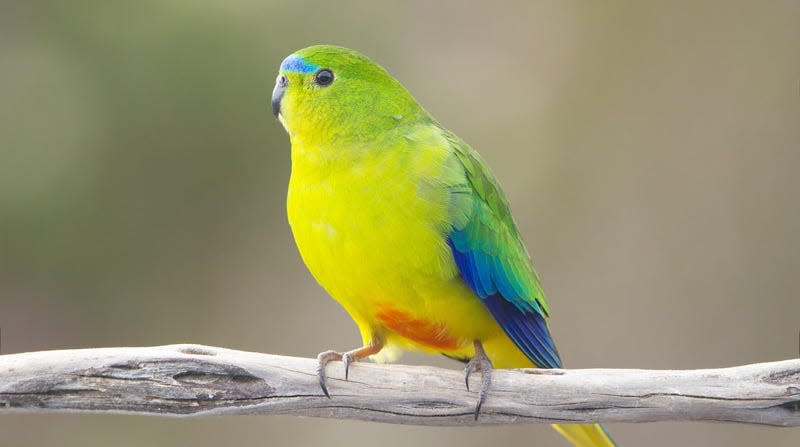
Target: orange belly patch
[[423, 332]]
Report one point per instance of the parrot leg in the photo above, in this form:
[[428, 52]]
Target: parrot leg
[[480, 362], [348, 357]]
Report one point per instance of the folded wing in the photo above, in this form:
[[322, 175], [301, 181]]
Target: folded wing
[[493, 261]]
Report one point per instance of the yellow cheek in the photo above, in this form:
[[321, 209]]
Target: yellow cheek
[[292, 114]]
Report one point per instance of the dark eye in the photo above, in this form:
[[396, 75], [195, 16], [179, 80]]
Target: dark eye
[[323, 77]]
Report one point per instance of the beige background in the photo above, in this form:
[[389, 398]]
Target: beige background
[[650, 153]]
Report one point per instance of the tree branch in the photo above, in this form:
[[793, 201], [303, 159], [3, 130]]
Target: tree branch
[[190, 380]]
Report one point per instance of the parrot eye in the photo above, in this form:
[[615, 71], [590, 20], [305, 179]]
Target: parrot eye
[[323, 77]]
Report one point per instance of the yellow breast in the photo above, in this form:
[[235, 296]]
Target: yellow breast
[[371, 227]]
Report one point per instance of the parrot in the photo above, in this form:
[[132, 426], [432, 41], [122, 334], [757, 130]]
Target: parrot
[[404, 225]]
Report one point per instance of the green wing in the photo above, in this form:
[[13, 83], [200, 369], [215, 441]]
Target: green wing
[[493, 260]]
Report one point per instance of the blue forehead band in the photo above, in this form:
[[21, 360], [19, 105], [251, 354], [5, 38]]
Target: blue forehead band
[[297, 64]]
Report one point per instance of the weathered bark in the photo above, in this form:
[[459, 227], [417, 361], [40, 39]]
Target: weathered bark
[[191, 380]]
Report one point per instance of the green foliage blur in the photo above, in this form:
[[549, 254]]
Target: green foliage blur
[[650, 152]]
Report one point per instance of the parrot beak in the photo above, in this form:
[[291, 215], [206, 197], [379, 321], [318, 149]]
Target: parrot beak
[[277, 95]]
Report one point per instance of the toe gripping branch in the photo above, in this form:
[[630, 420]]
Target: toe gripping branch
[[347, 358], [480, 362]]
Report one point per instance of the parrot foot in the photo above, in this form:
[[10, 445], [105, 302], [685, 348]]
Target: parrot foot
[[480, 362], [322, 360], [347, 358]]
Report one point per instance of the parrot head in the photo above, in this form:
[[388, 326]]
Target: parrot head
[[329, 93]]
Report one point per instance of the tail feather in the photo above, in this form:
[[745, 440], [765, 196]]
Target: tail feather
[[586, 435]]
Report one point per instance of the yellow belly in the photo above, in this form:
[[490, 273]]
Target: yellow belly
[[372, 233]]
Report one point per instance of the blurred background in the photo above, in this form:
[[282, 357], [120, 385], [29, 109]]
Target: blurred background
[[649, 151]]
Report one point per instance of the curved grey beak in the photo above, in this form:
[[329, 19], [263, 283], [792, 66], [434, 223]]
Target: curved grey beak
[[277, 94]]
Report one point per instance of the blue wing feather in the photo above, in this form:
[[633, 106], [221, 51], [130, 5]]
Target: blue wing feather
[[527, 328]]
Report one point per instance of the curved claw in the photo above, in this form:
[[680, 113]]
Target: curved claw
[[480, 362], [322, 360], [347, 358]]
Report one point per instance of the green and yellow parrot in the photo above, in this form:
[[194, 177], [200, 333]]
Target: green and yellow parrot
[[405, 226]]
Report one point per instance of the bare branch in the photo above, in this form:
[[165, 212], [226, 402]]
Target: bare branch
[[191, 380]]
